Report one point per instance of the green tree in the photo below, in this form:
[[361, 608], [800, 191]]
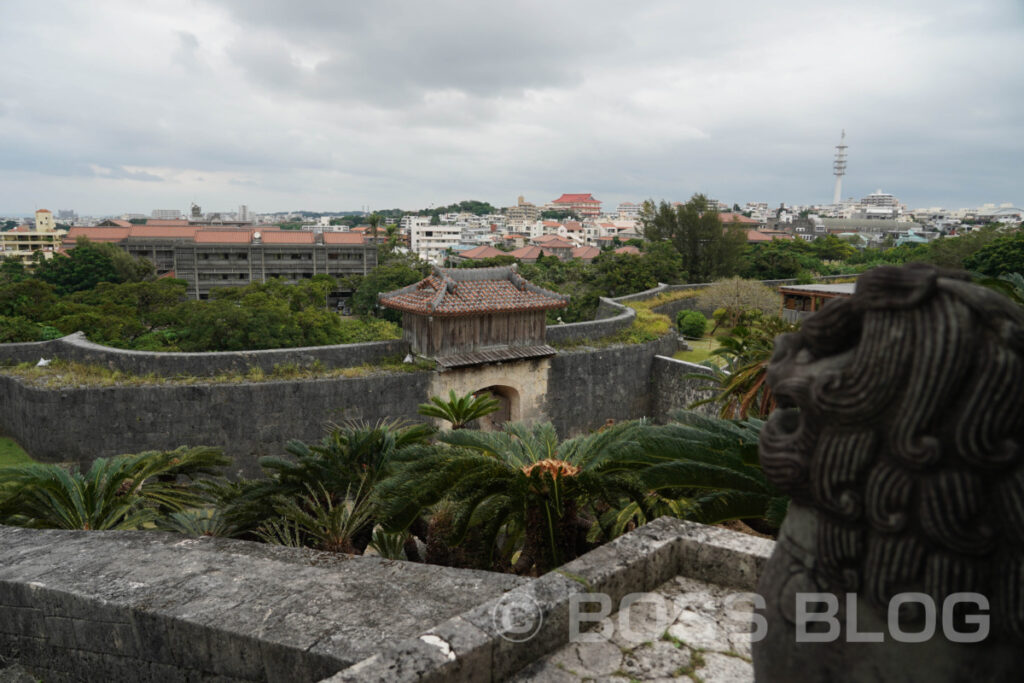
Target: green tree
[[329, 480], [709, 468], [90, 263], [691, 324], [386, 277], [708, 249], [521, 484], [746, 351], [1004, 255], [459, 411], [736, 296], [831, 248], [126, 492]]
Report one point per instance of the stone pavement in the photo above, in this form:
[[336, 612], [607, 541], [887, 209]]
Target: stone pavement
[[687, 630]]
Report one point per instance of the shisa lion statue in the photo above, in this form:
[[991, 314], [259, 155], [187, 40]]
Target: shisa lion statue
[[899, 437]]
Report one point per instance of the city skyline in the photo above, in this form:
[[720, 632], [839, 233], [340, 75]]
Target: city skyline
[[138, 106]]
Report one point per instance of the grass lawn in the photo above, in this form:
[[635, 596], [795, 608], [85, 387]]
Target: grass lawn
[[700, 350], [11, 453]]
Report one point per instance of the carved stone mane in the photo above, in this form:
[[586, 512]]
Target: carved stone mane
[[900, 438]]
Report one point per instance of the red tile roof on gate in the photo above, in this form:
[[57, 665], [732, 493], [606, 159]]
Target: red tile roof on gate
[[628, 249], [452, 292]]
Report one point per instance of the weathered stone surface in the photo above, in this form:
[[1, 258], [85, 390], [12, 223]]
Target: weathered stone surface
[[899, 437], [693, 634], [123, 601], [674, 389], [719, 668], [660, 659], [586, 387]]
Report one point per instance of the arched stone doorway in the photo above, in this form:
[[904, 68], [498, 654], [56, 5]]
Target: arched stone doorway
[[508, 407]]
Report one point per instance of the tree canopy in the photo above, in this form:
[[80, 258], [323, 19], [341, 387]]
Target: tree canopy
[[1003, 255], [708, 249]]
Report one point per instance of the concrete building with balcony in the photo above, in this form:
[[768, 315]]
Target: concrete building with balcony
[[210, 258], [25, 241]]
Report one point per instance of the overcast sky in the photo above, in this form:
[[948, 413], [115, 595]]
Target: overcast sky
[[111, 107]]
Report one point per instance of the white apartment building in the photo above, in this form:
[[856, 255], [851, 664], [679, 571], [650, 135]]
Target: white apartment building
[[628, 210], [166, 214], [431, 242]]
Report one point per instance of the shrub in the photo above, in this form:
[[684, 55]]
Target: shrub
[[691, 323]]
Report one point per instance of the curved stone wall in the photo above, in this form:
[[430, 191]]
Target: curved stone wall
[[611, 317], [75, 347], [247, 419]]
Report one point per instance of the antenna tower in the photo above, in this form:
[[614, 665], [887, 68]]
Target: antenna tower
[[839, 168]]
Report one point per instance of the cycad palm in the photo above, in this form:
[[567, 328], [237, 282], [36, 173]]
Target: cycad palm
[[125, 492], [348, 463], [521, 483], [459, 410], [710, 468]]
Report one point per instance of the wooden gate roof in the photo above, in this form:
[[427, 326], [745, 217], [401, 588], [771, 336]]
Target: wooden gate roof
[[450, 292]]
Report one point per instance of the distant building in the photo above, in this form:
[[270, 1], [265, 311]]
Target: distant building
[[44, 221], [243, 213], [23, 242], [583, 205], [166, 214], [209, 258], [522, 214], [432, 242], [628, 210]]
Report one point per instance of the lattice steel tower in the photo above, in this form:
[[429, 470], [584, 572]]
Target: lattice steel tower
[[839, 168]]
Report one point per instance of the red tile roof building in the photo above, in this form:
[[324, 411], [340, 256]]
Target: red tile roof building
[[482, 252], [467, 316], [208, 258], [583, 205]]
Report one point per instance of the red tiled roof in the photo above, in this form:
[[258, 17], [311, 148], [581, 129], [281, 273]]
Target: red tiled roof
[[758, 236], [455, 292], [20, 228], [43, 211], [169, 274], [527, 253], [576, 199], [551, 224], [737, 218], [97, 234], [167, 222], [573, 225], [482, 252], [223, 236], [547, 238], [287, 237], [343, 238], [165, 231], [628, 249], [557, 243], [585, 253]]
